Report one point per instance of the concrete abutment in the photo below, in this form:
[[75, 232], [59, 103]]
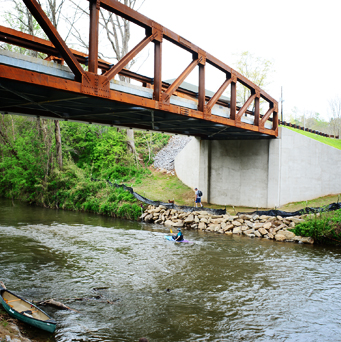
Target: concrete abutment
[[260, 173]]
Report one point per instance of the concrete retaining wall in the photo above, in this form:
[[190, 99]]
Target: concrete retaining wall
[[261, 173], [188, 161]]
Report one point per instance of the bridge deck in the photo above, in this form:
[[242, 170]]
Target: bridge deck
[[17, 97]]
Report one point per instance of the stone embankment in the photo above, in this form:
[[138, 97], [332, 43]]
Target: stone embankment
[[269, 227], [164, 160]]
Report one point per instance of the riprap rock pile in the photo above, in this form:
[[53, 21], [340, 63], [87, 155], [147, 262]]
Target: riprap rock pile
[[269, 227], [165, 157]]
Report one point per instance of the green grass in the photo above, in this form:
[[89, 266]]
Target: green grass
[[159, 186], [328, 141]]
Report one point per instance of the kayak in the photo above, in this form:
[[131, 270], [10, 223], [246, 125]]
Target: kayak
[[25, 311], [170, 238]]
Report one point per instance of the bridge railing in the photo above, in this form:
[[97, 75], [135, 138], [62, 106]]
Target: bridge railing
[[96, 84]]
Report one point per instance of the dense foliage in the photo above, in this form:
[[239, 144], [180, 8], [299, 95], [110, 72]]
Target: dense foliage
[[29, 169], [324, 228]]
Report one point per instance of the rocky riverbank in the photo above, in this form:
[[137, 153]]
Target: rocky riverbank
[[252, 225], [165, 157]]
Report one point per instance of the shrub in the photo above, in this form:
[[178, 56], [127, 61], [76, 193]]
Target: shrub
[[324, 228]]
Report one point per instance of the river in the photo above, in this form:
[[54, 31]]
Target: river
[[222, 288]]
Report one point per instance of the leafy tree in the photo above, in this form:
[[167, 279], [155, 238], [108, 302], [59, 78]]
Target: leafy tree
[[256, 69]]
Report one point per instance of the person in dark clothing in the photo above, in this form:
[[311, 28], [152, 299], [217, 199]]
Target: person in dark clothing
[[179, 236]]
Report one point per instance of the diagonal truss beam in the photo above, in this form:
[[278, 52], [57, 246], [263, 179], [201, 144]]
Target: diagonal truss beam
[[175, 85], [55, 38], [266, 115], [218, 94], [113, 71], [245, 107]]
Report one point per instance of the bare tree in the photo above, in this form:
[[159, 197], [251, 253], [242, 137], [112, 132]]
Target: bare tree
[[21, 18], [335, 109], [117, 32], [53, 11]]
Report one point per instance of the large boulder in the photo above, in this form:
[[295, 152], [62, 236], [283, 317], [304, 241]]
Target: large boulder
[[249, 224], [217, 220], [287, 234], [228, 227], [169, 223], [304, 239], [257, 233], [258, 225], [295, 219], [189, 219], [267, 225], [263, 231], [149, 218], [280, 237], [245, 217], [178, 224], [202, 226], [237, 230]]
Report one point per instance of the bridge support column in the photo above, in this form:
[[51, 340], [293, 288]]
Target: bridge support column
[[205, 169]]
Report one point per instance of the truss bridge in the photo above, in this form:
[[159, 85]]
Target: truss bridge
[[59, 87]]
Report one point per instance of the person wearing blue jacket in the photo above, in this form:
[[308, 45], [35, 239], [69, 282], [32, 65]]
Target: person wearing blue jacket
[[179, 236]]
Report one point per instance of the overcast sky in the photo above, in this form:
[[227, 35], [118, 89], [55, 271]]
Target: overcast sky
[[301, 37]]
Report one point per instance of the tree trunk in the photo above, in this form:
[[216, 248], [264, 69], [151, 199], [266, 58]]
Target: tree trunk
[[13, 128], [58, 144], [131, 141]]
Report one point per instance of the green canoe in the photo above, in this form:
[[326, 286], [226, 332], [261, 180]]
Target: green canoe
[[25, 311]]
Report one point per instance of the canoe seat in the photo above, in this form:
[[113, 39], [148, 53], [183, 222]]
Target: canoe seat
[[14, 300], [26, 312]]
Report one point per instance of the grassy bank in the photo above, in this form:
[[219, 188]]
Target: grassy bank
[[73, 189], [36, 168], [160, 186], [328, 141]]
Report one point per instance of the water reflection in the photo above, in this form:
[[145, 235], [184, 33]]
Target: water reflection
[[222, 288]]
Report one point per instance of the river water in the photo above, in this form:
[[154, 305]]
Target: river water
[[222, 288]]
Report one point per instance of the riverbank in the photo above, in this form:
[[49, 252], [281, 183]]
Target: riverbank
[[269, 227], [12, 330]]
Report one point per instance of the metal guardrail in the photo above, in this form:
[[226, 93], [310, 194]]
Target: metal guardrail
[[284, 123]]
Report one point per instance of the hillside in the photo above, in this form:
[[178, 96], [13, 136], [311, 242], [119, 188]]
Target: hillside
[[328, 141]]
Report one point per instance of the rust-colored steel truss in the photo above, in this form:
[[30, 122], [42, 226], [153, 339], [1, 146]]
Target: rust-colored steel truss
[[97, 86]]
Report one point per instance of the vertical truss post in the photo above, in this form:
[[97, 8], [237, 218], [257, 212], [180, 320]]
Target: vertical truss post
[[233, 99], [275, 118], [94, 6], [157, 33], [157, 70], [257, 108], [202, 93]]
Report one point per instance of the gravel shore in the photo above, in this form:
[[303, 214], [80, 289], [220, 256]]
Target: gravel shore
[[165, 157]]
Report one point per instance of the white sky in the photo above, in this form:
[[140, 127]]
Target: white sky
[[301, 37]]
